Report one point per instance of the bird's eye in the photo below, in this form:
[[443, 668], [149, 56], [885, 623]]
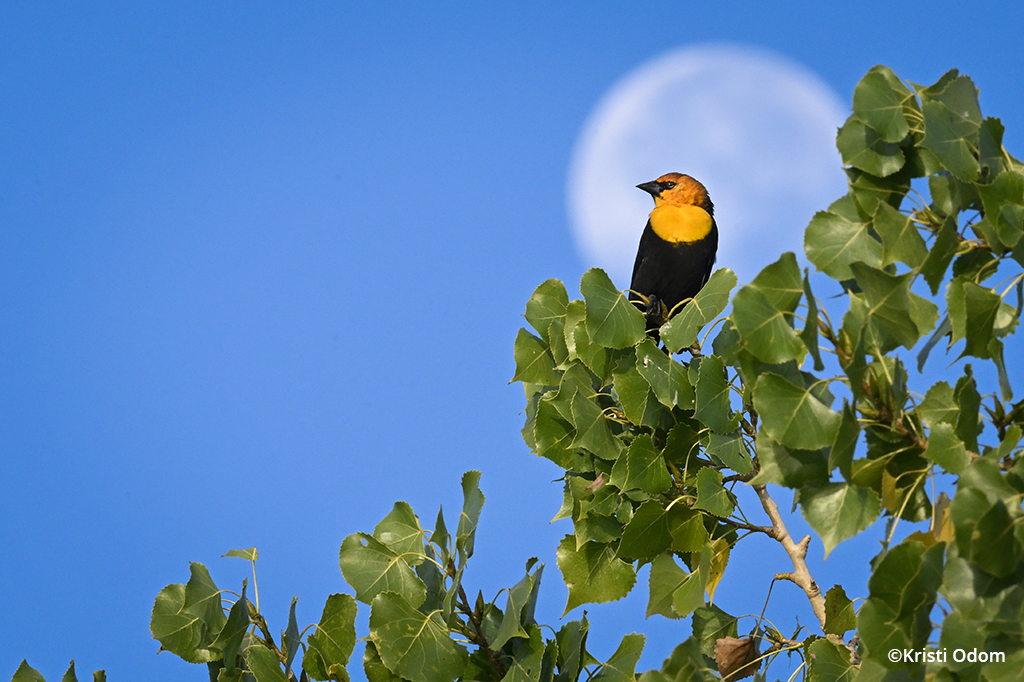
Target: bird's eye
[[668, 184]]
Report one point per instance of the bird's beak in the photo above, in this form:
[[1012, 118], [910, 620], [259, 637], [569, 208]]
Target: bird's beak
[[652, 188]]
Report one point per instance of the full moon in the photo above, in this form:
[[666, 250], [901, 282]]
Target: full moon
[[757, 129]]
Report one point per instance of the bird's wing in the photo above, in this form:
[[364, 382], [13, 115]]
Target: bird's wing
[[636, 283]]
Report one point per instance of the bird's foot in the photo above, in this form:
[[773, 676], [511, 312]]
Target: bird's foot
[[654, 313]]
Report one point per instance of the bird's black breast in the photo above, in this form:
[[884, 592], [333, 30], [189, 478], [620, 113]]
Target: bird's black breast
[[672, 272]]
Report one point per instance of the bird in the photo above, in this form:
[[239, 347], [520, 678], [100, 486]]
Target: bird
[[677, 248]]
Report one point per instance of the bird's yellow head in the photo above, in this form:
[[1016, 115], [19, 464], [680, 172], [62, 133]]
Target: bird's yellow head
[[676, 189], [682, 208]]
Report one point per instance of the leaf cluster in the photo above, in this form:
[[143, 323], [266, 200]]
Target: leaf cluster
[[423, 626], [651, 445]]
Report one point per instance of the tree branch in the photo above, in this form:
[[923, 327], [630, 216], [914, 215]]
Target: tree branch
[[797, 552], [480, 640]]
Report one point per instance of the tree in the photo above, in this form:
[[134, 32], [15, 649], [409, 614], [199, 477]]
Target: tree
[[784, 394]]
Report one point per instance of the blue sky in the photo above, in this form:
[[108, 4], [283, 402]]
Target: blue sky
[[261, 267]]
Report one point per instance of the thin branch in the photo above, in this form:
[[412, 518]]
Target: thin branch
[[797, 552], [479, 639]]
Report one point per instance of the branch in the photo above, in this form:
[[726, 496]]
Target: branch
[[797, 552], [480, 640]]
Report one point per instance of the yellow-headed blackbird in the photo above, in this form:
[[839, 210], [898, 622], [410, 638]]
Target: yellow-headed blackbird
[[677, 249]]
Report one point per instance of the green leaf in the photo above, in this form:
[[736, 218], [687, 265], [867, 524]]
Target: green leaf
[[374, 668], [179, 632], [794, 416], [578, 345], [840, 615], [681, 331], [711, 401], [647, 533], [26, 673], [710, 623], [371, 567], [554, 436], [534, 362], [290, 637], [400, 530], [941, 254], [472, 503], [838, 511], [764, 329], [949, 136], [265, 665], [780, 282], [681, 445], [572, 650], [889, 300], [575, 379], [990, 147], [547, 303], [939, 406], [828, 662], [878, 105], [230, 638], [512, 620], [945, 194], [1004, 207], [559, 350], [527, 657], [638, 400], [832, 242], [810, 333], [862, 147], [958, 93], [900, 239], [731, 451], [666, 577], [592, 429], [994, 546], [686, 526], [248, 554], [945, 449], [903, 589], [845, 447], [968, 424], [593, 574], [597, 528], [787, 467], [866, 190], [666, 377], [972, 312], [711, 494], [330, 645], [186, 618], [621, 667], [690, 595], [414, 645], [612, 321], [645, 468], [995, 351]]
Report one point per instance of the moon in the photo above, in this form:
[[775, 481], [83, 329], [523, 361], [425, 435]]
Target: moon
[[757, 129]]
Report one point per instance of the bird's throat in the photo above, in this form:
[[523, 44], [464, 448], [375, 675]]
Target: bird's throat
[[681, 224]]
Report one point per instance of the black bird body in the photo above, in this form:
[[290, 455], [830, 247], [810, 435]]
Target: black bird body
[[677, 249]]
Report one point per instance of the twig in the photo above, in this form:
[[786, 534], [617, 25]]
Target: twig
[[797, 552], [480, 640]]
